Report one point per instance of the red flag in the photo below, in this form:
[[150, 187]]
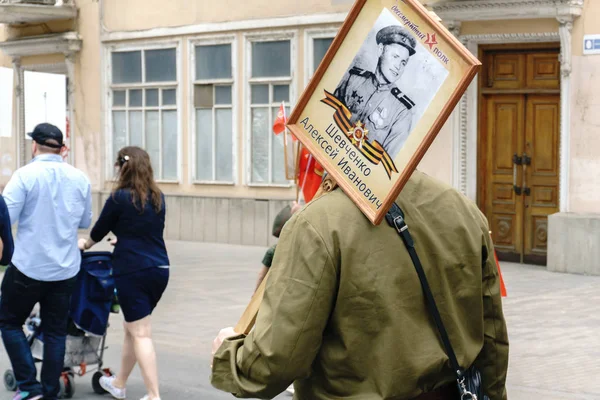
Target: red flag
[[310, 175], [502, 285], [280, 121], [65, 150]]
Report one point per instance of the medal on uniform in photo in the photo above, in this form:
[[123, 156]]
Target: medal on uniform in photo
[[358, 134]]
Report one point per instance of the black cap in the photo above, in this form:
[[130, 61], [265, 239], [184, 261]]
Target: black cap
[[44, 132]]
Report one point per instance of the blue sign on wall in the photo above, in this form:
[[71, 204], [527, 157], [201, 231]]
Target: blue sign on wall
[[591, 44]]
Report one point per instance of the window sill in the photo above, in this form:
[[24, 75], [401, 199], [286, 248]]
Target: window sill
[[270, 185], [218, 183]]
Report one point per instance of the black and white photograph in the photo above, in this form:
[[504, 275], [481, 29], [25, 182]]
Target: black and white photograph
[[390, 83]]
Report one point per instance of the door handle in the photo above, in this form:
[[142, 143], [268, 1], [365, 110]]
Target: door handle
[[516, 161], [526, 161]]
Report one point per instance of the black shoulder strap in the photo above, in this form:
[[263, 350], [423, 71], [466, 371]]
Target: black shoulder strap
[[360, 72], [404, 99], [395, 218]]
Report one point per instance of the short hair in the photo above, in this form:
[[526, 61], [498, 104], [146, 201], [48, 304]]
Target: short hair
[[47, 149]]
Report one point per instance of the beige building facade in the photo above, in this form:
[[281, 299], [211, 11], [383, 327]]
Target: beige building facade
[[197, 84]]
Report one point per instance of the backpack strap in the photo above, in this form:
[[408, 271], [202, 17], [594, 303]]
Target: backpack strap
[[395, 218]]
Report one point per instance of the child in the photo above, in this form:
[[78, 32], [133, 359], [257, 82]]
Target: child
[[282, 217]]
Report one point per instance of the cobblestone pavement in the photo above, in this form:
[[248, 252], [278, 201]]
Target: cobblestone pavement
[[553, 320]]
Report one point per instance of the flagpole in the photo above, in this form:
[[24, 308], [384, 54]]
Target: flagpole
[[297, 185], [297, 171], [285, 145], [284, 126]]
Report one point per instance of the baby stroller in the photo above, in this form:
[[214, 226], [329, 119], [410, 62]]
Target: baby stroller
[[93, 300]]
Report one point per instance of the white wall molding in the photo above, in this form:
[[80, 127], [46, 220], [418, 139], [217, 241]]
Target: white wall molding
[[217, 27], [498, 38], [62, 43], [52, 68], [478, 10], [27, 13]]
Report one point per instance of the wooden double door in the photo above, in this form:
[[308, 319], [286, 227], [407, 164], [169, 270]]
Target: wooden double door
[[519, 151]]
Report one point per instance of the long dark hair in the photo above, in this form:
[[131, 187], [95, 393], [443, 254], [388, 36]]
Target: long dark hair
[[136, 174]]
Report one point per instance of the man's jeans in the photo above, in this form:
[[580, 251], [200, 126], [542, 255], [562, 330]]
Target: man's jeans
[[19, 295]]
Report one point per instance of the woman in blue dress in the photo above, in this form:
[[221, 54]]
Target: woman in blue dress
[[135, 213]]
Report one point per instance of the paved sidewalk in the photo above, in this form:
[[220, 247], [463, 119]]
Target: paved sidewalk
[[554, 332], [553, 321]]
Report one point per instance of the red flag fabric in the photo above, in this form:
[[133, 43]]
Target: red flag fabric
[[65, 150], [310, 175], [502, 285], [280, 121]]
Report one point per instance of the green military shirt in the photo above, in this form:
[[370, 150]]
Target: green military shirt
[[383, 108], [343, 313]]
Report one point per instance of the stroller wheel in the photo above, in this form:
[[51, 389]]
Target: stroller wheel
[[67, 386], [96, 383], [10, 382]]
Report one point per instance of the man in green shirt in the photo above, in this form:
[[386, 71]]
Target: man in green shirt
[[343, 314]]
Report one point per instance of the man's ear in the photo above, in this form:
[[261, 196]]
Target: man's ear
[[1, 246], [380, 50]]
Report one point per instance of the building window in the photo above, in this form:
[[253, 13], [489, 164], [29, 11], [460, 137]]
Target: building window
[[320, 47], [269, 85], [213, 108], [317, 42], [144, 106]]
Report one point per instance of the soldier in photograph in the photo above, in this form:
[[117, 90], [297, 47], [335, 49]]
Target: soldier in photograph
[[373, 97]]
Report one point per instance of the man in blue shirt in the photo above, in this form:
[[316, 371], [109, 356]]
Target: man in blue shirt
[[6, 240], [50, 200]]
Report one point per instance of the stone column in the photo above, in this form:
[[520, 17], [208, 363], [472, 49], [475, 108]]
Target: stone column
[[459, 128], [19, 123], [70, 63], [578, 251], [565, 30]]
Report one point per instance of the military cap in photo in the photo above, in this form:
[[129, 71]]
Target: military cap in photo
[[397, 34]]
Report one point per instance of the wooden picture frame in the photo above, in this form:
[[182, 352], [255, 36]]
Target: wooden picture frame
[[383, 91], [291, 150]]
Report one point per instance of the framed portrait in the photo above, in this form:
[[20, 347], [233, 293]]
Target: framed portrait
[[388, 83]]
